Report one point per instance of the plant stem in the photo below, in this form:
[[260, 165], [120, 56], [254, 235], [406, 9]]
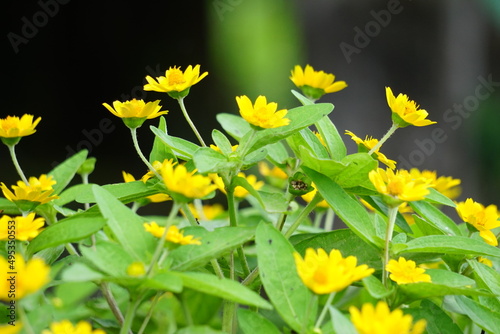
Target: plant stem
[[150, 313], [129, 316], [12, 151], [141, 155], [392, 213], [307, 210], [323, 311], [389, 133], [110, 299], [229, 307], [190, 122], [329, 219], [282, 218]]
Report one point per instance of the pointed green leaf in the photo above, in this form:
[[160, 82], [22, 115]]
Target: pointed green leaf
[[334, 143], [65, 171], [234, 125], [184, 149], [208, 160], [435, 217], [437, 198], [160, 150], [340, 322], [423, 290], [125, 192], [221, 141], [356, 172], [486, 277], [253, 322], [166, 281], [438, 322], [481, 315], [290, 297], [108, 257], [375, 288]]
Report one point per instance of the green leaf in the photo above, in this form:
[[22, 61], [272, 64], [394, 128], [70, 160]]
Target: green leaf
[[125, 192], [358, 165], [65, 171], [277, 153], [449, 278], [184, 149], [486, 277], [352, 213], [438, 322], [126, 225], [8, 207], [72, 229], [79, 272], [375, 288], [327, 167], [290, 297], [160, 150], [423, 290], [253, 322], [213, 245], [221, 141], [481, 315], [437, 198], [224, 288], [340, 322], [309, 140], [208, 160], [435, 217], [334, 143], [450, 245], [302, 99], [108, 257], [345, 240], [234, 125], [167, 281]]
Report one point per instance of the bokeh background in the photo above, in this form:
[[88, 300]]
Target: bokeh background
[[63, 59]]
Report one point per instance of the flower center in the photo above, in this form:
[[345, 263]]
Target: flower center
[[395, 187], [320, 277], [175, 77]]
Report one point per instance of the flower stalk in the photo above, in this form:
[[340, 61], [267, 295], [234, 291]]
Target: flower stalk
[[389, 133], [190, 122], [392, 214]]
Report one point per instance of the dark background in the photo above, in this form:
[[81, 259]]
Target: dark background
[[84, 53]]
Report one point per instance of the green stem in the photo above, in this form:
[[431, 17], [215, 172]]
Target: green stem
[[129, 316], [190, 122], [250, 278], [229, 307], [329, 219], [282, 218], [392, 214], [185, 310], [303, 215], [389, 133], [324, 310], [12, 151], [150, 313], [141, 155], [161, 242], [110, 299]]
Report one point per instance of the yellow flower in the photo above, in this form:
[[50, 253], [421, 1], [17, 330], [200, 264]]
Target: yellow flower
[[13, 126], [406, 271], [9, 329], [189, 184], [241, 192], [405, 111], [23, 228], [135, 112], [321, 140], [66, 327], [275, 175], [173, 234], [483, 219], [29, 277], [326, 273], [398, 186], [315, 84], [310, 195], [156, 198], [446, 185], [485, 261], [27, 196], [209, 212], [380, 320], [175, 82], [262, 114], [158, 166], [136, 269], [407, 213], [367, 144]]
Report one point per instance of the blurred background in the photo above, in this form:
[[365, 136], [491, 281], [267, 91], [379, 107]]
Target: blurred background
[[63, 59]]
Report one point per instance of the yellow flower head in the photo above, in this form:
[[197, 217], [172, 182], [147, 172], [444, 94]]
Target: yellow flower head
[[136, 269], [27, 196], [315, 84], [483, 219], [367, 144], [405, 111], [241, 192], [326, 273], [30, 277], [446, 185], [15, 127], [485, 261], [66, 327], [156, 198], [181, 181], [158, 167], [406, 271], [398, 186], [262, 114], [380, 320], [310, 195], [174, 235], [9, 329], [175, 82], [274, 172], [24, 228], [135, 112]]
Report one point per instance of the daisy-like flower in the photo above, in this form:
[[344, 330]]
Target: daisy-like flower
[[26, 228], [367, 144], [179, 180], [310, 195], [28, 196], [398, 186], [174, 235], [326, 273], [12, 128], [406, 271], [30, 277], [175, 82], [405, 111], [262, 114], [446, 185], [314, 84], [380, 320], [484, 219], [135, 112], [156, 198], [66, 327]]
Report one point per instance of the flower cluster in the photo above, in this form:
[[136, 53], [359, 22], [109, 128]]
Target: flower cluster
[[484, 219]]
